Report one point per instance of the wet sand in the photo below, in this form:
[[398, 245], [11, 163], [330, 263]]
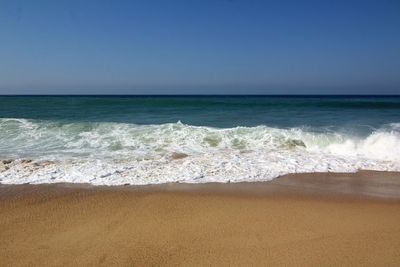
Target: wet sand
[[297, 220]]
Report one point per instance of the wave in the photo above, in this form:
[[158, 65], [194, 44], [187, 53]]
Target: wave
[[119, 153]]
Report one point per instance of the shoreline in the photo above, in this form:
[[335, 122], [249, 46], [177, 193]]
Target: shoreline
[[315, 219], [364, 183]]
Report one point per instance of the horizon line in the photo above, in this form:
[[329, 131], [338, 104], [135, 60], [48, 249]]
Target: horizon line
[[205, 95]]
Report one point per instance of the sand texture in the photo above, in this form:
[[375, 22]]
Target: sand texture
[[296, 220]]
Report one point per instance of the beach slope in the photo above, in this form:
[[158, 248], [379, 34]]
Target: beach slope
[[296, 220]]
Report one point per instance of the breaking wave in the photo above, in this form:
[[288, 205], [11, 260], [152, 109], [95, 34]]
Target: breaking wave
[[37, 151]]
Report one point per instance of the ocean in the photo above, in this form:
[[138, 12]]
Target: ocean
[[116, 140]]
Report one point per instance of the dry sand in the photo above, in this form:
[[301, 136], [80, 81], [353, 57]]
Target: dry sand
[[296, 220]]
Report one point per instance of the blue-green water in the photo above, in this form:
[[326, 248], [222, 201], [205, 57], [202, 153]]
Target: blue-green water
[[222, 137], [338, 112]]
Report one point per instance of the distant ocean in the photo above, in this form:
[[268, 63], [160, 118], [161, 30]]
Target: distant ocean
[[114, 140]]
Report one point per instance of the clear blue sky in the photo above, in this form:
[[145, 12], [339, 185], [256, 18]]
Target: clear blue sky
[[219, 46]]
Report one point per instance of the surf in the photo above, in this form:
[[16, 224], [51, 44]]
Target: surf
[[112, 153]]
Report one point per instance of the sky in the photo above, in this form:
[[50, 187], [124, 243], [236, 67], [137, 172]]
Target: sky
[[200, 47]]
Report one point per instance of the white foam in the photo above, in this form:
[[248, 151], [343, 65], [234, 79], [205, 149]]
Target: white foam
[[378, 145], [117, 153]]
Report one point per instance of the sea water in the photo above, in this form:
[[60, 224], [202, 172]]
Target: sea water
[[114, 140]]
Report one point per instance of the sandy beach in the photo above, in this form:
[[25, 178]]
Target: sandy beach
[[200, 133], [296, 220]]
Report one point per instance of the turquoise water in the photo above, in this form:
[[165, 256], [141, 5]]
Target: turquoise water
[[355, 112], [242, 138]]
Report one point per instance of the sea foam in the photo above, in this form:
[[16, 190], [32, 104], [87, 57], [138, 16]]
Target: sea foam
[[108, 153]]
